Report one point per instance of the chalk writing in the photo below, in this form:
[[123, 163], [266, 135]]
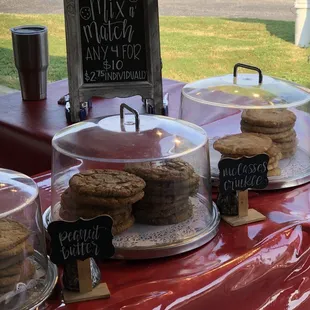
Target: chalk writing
[[113, 40], [81, 239], [244, 173]]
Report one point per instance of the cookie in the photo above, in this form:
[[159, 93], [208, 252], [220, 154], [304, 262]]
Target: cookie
[[263, 130], [275, 136], [6, 289], [28, 270], [12, 233], [68, 202], [246, 144], [75, 214], [6, 262], [11, 270], [188, 187], [273, 165], [164, 205], [165, 171], [26, 273], [9, 280], [106, 183], [17, 250], [286, 147], [121, 227], [168, 220], [274, 118], [275, 172], [272, 160], [286, 139], [154, 199], [288, 154], [149, 212], [274, 151], [107, 202]]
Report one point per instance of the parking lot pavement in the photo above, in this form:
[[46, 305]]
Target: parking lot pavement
[[264, 9]]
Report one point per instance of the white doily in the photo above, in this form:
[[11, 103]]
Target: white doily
[[146, 236]]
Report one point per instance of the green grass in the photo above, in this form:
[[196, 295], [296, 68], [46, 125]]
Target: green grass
[[192, 48]]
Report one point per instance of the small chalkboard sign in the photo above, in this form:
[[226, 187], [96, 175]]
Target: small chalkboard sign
[[81, 240], [239, 175], [113, 50], [243, 173]]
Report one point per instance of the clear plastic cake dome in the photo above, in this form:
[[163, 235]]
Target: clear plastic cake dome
[[256, 104], [27, 277], [167, 206]]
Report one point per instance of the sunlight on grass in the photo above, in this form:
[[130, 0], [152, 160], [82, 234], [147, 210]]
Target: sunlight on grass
[[192, 47]]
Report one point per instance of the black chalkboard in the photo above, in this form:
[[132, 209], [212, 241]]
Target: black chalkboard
[[80, 240], [113, 41], [243, 173]]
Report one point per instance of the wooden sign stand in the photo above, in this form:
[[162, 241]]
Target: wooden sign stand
[[86, 290], [113, 50], [75, 245], [245, 215]]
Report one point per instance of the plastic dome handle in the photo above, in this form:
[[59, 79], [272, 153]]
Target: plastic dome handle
[[239, 65], [133, 111]]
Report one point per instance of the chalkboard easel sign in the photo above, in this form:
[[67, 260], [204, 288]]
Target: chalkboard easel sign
[[239, 175], [77, 242], [113, 50]]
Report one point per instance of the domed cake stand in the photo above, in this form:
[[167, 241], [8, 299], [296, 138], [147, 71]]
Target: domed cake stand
[[146, 241], [295, 170]]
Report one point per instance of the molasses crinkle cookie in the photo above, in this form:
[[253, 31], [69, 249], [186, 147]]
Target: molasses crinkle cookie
[[277, 124]]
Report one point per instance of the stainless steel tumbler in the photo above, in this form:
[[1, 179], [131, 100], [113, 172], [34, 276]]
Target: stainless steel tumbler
[[30, 46]]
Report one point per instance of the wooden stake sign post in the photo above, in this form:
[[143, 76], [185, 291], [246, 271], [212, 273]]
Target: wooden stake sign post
[[113, 50], [239, 175], [79, 241]]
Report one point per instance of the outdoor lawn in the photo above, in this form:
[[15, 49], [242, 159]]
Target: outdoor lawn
[[192, 48]]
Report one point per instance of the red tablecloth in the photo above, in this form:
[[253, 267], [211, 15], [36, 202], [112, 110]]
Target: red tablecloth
[[263, 266], [27, 128]]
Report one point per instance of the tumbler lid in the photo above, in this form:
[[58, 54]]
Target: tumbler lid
[[28, 29]]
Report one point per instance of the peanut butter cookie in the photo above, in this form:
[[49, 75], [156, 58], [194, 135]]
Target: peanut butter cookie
[[106, 183], [123, 226]]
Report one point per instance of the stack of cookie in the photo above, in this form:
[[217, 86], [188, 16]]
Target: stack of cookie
[[97, 192], [15, 267], [248, 144], [277, 124], [169, 185]]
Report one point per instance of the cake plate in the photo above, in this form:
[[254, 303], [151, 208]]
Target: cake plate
[[38, 289], [147, 242]]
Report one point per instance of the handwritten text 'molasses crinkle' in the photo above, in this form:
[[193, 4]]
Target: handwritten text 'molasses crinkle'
[[244, 176]]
